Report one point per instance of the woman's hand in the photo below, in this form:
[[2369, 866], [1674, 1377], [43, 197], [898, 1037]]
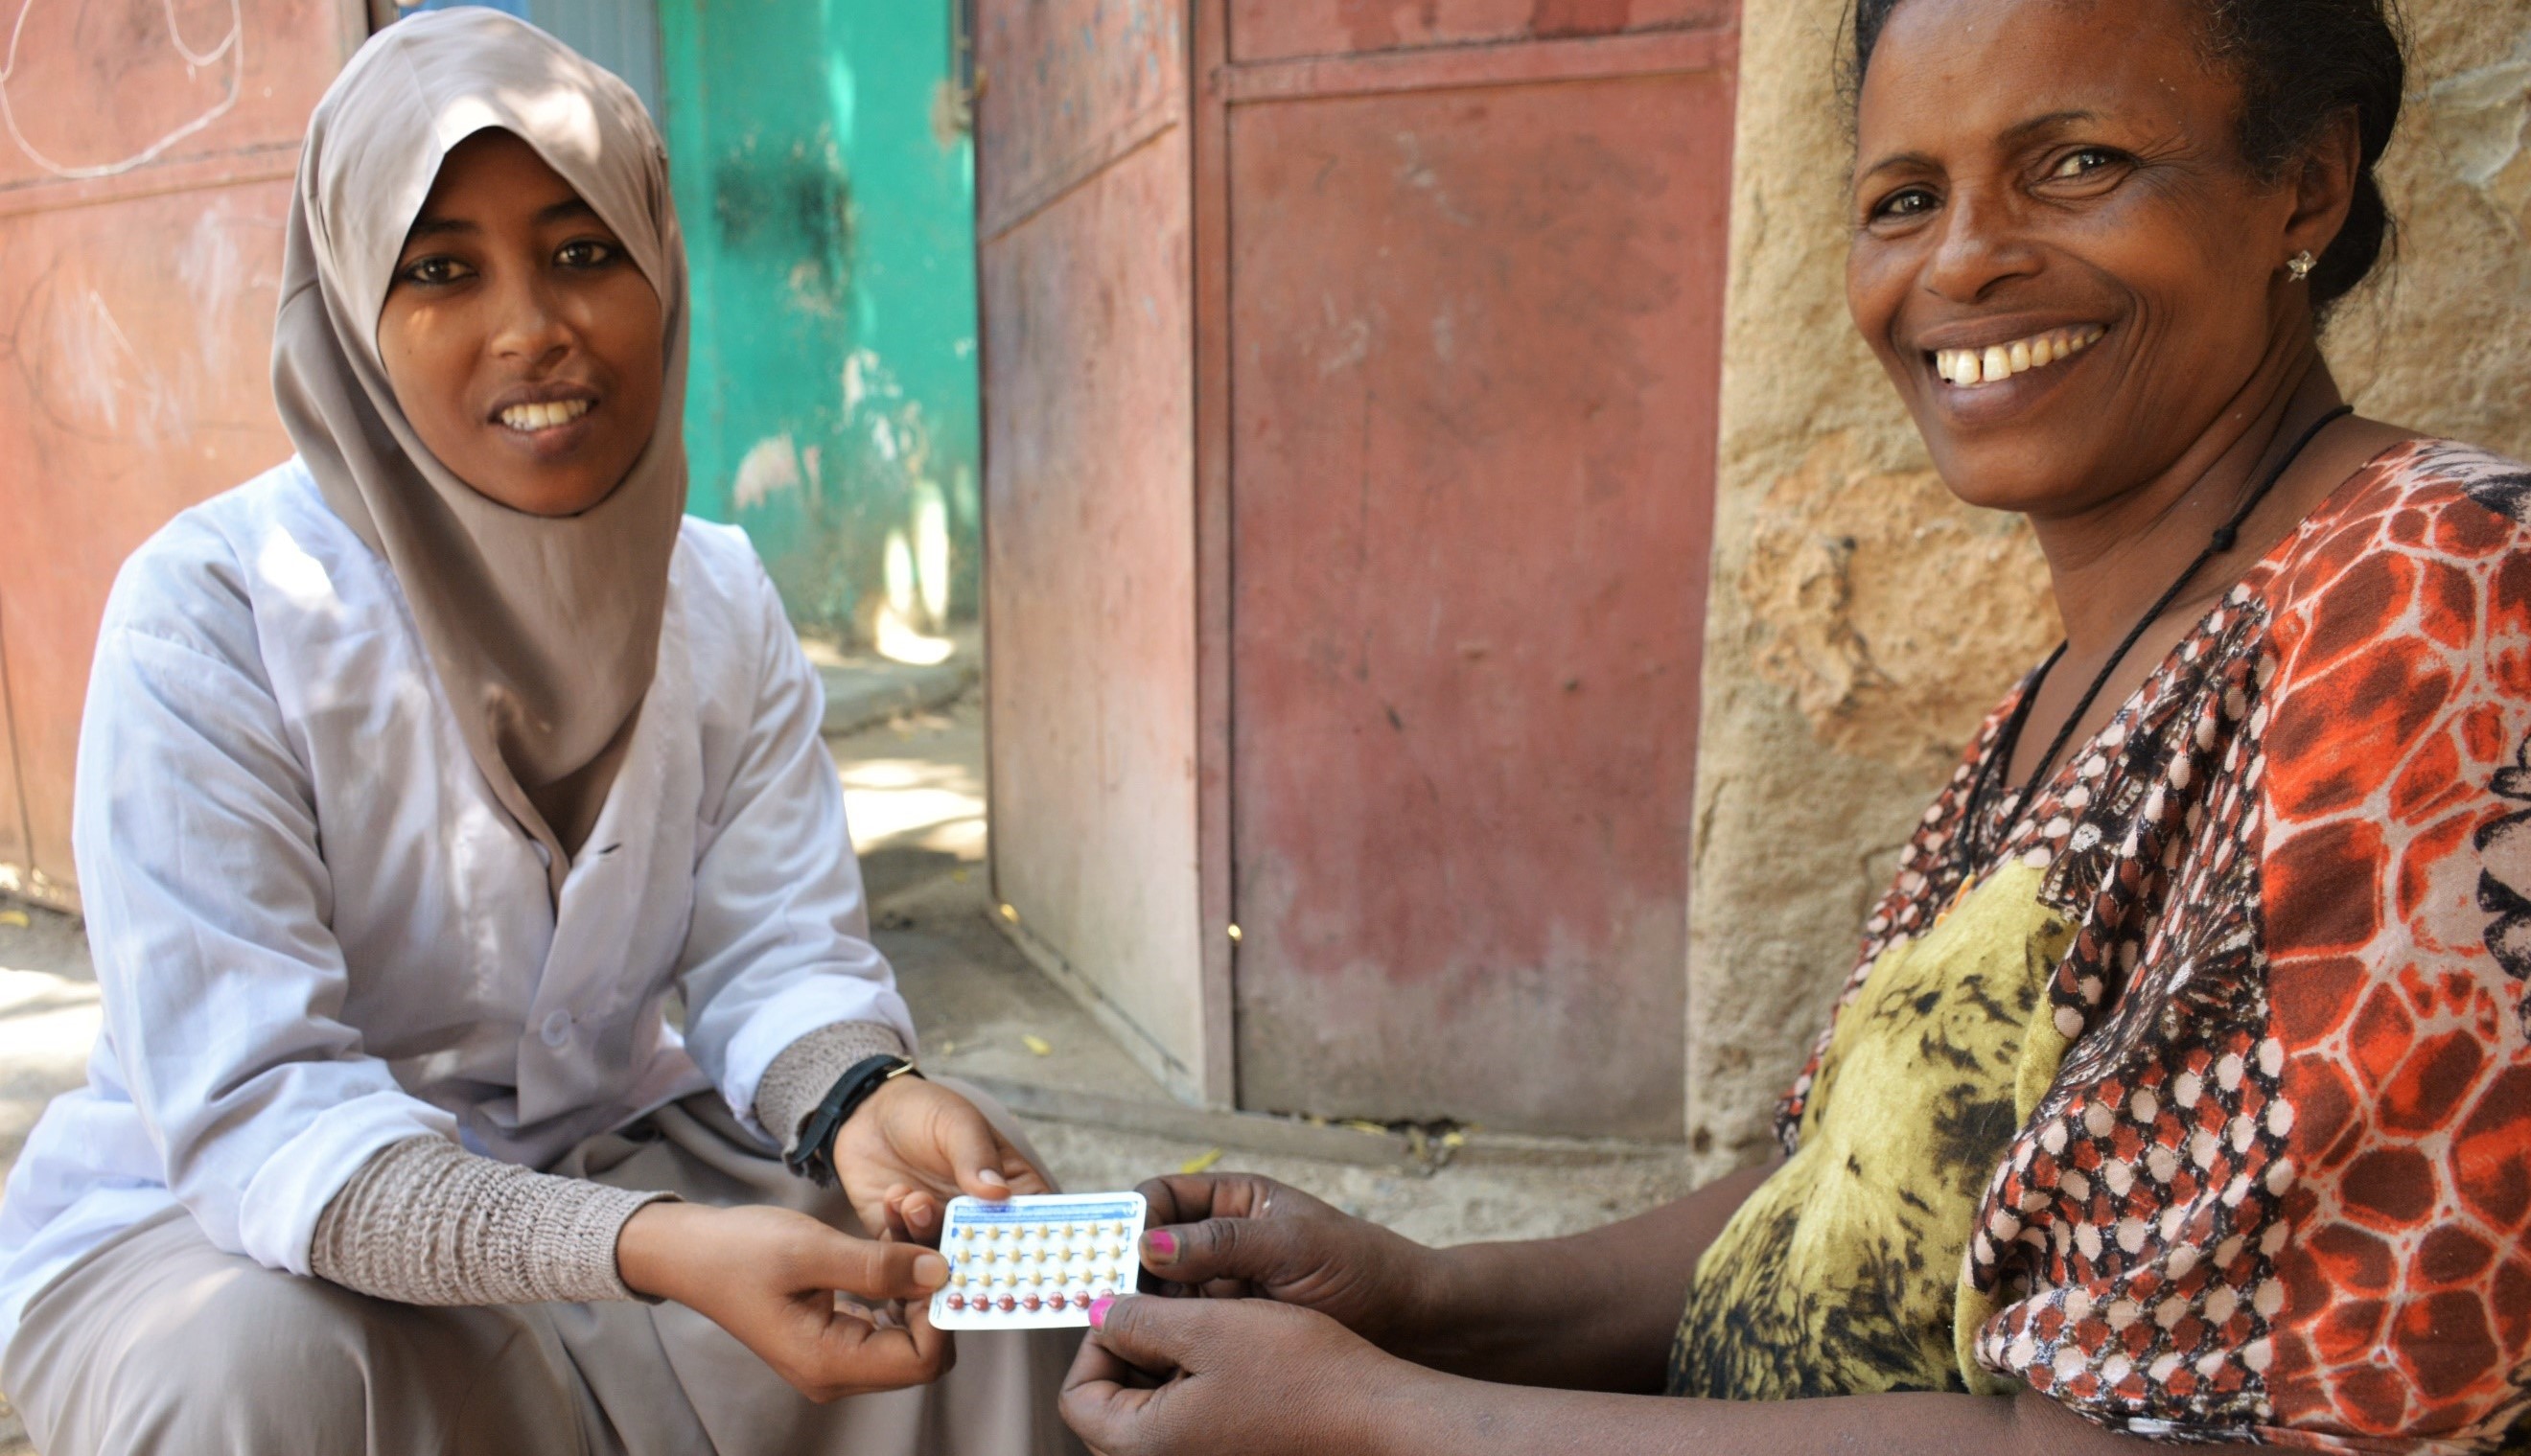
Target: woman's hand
[[1595, 1310], [912, 1146], [1230, 1377], [1238, 1236], [769, 1275], [1247, 1377]]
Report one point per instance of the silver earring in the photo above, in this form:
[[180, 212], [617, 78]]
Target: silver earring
[[2298, 267]]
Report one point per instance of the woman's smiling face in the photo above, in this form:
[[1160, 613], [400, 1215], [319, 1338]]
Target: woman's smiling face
[[526, 349], [2050, 191]]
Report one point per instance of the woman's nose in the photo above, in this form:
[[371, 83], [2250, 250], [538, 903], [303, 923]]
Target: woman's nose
[[529, 324], [1981, 244]]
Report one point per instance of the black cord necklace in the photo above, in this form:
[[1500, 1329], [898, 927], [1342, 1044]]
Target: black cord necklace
[[1971, 836]]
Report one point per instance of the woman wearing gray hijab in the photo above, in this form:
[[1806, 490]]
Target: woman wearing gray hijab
[[417, 775]]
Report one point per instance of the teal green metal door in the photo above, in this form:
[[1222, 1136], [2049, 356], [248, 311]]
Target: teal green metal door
[[822, 164]]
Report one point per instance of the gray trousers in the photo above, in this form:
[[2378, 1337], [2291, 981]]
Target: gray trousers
[[157, 1344]]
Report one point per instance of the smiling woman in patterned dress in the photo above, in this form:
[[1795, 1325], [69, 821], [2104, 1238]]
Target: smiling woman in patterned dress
[[2180, 1090]]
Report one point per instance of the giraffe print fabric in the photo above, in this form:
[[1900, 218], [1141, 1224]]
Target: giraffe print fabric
[[2276, 1187]]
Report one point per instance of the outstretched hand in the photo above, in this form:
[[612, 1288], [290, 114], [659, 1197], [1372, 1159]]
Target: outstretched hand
[[770, 1277], [1239, 1236], [912, 1147], [1227, 1377]]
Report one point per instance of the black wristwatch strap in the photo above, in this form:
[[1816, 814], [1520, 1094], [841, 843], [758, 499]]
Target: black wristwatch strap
[[866, 1075]]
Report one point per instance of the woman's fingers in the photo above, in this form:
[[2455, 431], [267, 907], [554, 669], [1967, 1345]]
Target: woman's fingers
[[1104, 1400], [985, 1163], [1192, 1198], [1248, 1377], [1247, 1251], [1022, 1175], [967, 1143], [854, 1356], [1153, 1335], [913, 1213], [771, 1277], [869, 1267], [1093, 1362]]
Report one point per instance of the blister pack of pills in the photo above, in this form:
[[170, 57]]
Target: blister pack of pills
[[1035, 1263]]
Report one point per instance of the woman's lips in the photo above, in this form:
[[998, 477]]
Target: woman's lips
[[548, 432], [1973, 369], [533, 418]]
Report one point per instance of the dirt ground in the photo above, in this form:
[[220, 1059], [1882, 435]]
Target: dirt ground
[[914, 789]]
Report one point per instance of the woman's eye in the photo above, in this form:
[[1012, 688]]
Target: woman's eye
[[585, 253], [2083, 161], [434, 271], [1913, 202]]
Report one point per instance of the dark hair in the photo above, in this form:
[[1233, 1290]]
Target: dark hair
[[2300, 64]]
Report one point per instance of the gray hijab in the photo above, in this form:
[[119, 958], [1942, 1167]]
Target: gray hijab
[[544, 631]]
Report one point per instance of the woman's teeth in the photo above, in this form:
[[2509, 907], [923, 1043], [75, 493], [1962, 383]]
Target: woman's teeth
[[1969, 366], [533, 417]]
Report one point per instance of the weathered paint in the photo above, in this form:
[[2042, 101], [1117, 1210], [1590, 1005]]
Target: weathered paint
[[17, 829], [1475, 367], [142, 197], [1279, 29], [1090, 535], [827, 194], [1069, 86], [1394, 664]]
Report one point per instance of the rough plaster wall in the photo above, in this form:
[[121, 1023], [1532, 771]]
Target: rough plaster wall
[[2443, 338], [1862, 621]]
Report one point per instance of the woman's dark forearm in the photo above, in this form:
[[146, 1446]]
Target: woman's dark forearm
[[1593, 1312], [1440, 1416]]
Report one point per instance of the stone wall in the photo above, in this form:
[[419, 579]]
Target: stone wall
[[1862, 620]]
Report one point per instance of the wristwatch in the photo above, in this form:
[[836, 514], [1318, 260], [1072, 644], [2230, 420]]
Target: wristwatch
[[809, 1158]]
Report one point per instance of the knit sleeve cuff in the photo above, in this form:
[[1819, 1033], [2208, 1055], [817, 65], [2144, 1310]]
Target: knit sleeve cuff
[[426, 1223], [803, 1072]]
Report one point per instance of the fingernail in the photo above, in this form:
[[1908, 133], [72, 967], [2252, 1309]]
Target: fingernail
[[931, 1270], [1098, 1310], [987, 1175], [1163, 1246]]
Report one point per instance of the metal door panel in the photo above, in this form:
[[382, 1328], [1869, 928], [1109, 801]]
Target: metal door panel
[[1282, 29], [1064, 88], [1475, 340], [140, 205], [142, 357], [1090, 578], [15, 840]]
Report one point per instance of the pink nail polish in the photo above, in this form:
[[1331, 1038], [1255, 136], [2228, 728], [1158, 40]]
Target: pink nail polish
[[1163, 1244], [1098, 1310]]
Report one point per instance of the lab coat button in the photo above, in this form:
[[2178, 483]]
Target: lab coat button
[[557, 1027], [544, 856]]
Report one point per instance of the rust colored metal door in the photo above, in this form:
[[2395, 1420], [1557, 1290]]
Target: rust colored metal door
[[144, 172], [1090, 573], [1471, 304], [1351, 378]]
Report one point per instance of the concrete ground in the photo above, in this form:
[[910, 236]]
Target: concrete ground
[[915, 787]]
